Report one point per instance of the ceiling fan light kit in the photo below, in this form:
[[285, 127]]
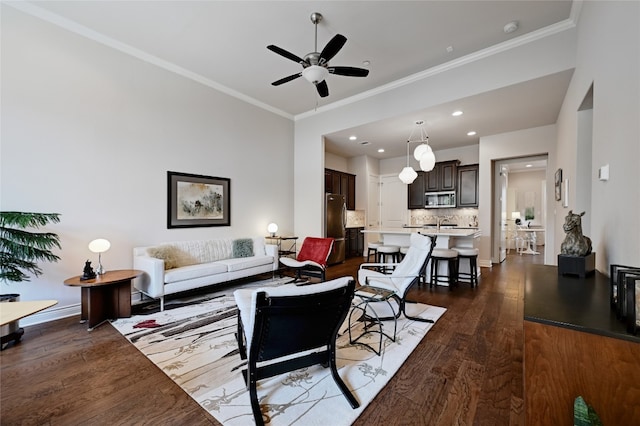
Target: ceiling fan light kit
[[315, 65]]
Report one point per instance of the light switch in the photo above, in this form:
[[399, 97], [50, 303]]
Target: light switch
[[603, 172]]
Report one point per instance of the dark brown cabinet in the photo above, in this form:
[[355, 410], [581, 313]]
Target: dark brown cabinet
[[336, 182], [443, 177], [468, 186], [354, 242], [415, 200]]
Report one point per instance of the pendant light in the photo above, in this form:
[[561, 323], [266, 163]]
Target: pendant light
[[423, 153], [408, 175]]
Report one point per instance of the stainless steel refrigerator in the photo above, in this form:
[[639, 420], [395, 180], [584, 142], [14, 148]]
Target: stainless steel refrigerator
[[335, 227]]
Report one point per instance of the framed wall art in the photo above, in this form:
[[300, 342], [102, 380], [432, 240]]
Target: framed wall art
[[197, 200], [558, 184]]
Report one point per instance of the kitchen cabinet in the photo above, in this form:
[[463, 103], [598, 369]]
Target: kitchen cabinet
[[354, 242], [336, 182], [468, 185], [415, 199], [443, 177]]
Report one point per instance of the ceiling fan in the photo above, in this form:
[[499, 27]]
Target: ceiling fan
[[315, 66]]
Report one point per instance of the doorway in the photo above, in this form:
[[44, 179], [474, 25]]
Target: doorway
[[519, 196]]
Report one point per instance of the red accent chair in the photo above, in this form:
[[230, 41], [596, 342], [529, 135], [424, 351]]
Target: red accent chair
[[311, 260]]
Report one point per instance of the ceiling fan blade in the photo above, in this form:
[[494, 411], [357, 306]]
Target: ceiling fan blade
[[280, 51], [332, 48], [323, 89], [349, 71], [286, 79]]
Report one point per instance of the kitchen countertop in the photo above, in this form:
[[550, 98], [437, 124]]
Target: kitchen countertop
[[458, 232]]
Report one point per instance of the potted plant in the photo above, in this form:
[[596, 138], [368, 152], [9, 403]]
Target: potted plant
[[20, 250]]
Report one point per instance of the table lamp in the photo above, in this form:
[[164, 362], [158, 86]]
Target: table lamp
[[99, 246], [272, 228]]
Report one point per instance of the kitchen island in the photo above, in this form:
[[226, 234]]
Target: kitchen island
[[445, 238]]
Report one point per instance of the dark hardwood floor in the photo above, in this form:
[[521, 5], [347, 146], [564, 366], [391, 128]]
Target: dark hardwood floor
[[468, 369]]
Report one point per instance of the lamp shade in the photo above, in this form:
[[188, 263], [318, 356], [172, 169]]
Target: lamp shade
[[272, 228], [99, 245], [315, 73], [515, 215], [408, 175], [427, 161], [420, 151]]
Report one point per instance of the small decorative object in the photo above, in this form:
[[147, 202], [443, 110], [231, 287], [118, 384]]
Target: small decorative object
[[196, 200], [575, 255], [99, 246], [88, 273], [558, 184], [574, 244]]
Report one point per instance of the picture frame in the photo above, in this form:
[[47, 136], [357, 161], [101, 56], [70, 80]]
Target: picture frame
[[558, 184], [197, 200]]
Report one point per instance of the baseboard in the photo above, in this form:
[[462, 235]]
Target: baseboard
[[56, 313], [52, 314], [484, 263]]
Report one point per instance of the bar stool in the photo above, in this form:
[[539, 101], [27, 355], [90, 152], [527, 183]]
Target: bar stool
[[403, 252], [472, 254], [444, 255], [372, 247], [388, 254]]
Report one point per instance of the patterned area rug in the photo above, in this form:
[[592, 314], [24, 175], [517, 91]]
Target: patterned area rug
[[196, 347]]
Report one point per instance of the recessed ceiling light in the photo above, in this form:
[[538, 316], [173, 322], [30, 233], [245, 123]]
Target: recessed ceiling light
[[529, 165], [456, 113], [381, 150], [353, 138], [471, 133]]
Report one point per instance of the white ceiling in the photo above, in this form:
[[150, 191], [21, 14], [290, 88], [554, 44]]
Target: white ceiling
[[223, 44]]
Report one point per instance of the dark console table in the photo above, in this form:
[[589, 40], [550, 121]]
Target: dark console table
[[575, 346]]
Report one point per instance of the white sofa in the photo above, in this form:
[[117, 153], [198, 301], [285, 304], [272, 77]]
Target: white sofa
[[184, 265]]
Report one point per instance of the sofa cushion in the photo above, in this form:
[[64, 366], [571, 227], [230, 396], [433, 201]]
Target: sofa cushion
[[240, 263], [194, 271], [202, 251], [243, 247], [167, 253]]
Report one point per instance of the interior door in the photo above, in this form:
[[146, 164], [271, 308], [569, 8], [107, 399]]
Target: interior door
[[500, 219], [393, 202]]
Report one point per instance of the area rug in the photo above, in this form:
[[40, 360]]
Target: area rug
[[196, 347]]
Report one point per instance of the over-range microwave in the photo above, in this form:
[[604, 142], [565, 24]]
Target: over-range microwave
[[440, 200]]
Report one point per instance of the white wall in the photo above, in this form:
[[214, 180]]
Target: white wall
[[528, 142], [90, 133], [608, 56]]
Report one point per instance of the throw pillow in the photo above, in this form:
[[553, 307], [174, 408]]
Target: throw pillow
[[166, 253], [243, 247]]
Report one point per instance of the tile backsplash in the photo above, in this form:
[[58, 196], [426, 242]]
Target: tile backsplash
[[355, 218], [460, 217]]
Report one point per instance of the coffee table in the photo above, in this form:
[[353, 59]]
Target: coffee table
[[11, 312], [106, 297], [369, 295]]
